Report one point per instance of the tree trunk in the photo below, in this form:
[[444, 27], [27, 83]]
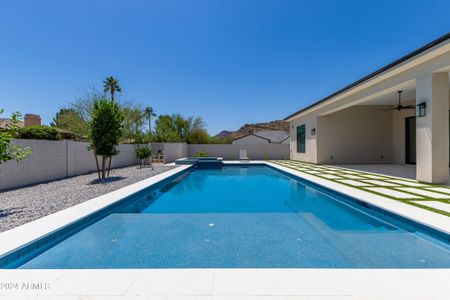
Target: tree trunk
[[109, 165], [96, 162], [103, 167]]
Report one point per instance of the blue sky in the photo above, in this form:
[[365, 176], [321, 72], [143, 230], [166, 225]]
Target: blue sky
[[230, 62]]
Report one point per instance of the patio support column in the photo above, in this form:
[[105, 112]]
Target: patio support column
[[432, 130]]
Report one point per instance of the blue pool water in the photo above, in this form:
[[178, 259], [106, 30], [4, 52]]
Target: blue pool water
[[244, 217]]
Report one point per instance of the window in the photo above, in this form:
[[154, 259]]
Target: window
[[301, 139]]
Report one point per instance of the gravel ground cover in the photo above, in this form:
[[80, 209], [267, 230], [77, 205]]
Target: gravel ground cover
[[22, 205]]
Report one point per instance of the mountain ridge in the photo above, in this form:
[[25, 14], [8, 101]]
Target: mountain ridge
[[247, 129]]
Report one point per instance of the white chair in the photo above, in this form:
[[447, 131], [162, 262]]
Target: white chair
[[243, 155]]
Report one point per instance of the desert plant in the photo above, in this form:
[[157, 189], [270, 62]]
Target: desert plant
[[38, 133], [105, 133], [8, 151], [201, 154], [143, 154]]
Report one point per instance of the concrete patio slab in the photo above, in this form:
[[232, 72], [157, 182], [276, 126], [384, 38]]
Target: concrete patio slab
[[425, 193], [435, 204], [392, 193]]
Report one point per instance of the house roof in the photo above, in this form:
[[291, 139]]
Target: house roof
[[5, 122], [274, 136], [244, 136], [373, 74]]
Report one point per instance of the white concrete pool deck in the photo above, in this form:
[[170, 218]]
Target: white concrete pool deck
[[227, 284], [220, 283]]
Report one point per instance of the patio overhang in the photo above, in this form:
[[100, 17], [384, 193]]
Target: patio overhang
[[435, 55], [357, 124]]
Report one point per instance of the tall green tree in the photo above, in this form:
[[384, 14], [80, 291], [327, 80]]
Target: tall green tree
[[133, 122], [71, 120], [111, 84], [105, 133], [149, 113], [176, 128]]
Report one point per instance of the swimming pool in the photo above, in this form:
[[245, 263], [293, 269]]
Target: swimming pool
[[242, 217]]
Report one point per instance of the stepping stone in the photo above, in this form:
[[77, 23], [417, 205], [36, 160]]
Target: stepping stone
[[373, 176], [440, 189], [330, 176], [393, 193], [354, 182], [349, 172], [408, 183], [425, 193], [380, 183], [435, 204], [332, 172], [313, 172], [351, 176]]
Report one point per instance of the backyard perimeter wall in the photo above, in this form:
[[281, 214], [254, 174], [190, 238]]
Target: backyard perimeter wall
[[231, 151], [52, 160]]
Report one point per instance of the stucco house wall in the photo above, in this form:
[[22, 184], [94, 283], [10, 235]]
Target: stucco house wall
[[310, 154], [359, 134], [249, 140]]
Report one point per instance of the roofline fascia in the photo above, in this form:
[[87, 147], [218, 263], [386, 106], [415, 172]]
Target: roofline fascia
[[366, 78]]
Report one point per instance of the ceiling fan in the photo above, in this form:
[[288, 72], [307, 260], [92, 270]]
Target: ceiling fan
[[399, 107]]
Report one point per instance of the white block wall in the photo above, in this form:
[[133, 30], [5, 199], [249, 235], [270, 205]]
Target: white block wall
[[52, 160]]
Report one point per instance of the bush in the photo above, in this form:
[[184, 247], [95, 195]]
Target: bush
[[143, 153], [38, 133], [201, 154]]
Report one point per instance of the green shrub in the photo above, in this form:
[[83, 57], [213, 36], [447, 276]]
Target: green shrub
[[201, 154], [143, 153], [38, 133]]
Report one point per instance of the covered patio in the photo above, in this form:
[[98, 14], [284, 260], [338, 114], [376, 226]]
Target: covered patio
[[394, 121]]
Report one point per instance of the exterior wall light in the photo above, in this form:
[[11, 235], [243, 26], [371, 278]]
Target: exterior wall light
[[313, 131], [421, 109]]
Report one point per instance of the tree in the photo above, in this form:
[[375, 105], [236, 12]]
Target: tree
[[111, 84], [165, 130], [133, 121], [176, 128], [105, 132], [71, 120], [195, 132], [8, 151], [149, 114]]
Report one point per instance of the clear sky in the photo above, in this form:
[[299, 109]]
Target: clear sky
[[230, 62]]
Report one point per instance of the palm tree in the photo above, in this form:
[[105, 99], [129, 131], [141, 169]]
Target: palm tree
[[111, 84], [148, 114]]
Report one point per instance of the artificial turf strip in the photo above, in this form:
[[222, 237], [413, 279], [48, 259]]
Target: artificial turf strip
[[301, 166]]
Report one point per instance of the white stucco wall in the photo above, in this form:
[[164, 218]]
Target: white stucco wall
[[231, 151], [360, 134], [51, 160], [310, 154], [250, 140]]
